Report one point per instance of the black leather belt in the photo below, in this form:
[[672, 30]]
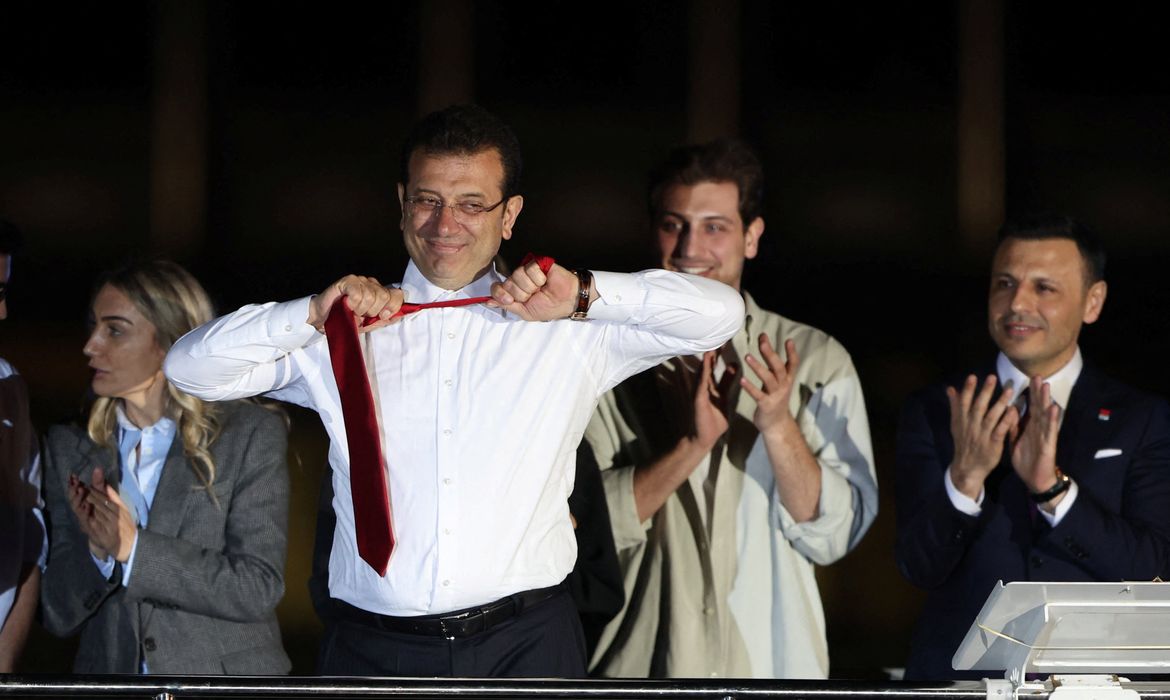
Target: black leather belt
[[460, 623]]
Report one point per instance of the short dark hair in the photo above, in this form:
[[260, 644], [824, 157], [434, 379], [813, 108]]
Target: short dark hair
[[724, 160], [1038, 227], [10, 239], [464, 130]]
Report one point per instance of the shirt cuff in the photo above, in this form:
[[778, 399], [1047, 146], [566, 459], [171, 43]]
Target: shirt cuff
[[834, 509], [825, 538], [1062, 508], [628, 531], [619, 296], [129, 565], [105, 566], [962, 502], [288, 324]]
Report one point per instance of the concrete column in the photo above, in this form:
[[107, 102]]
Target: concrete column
[[981, 176], [178, 145], [713, 91], [446, 51]]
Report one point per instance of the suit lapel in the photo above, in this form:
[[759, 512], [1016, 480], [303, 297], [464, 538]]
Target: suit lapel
[[1080, 431], [92, 455], [169, 507], [170, 500]]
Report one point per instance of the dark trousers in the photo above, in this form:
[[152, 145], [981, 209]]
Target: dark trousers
[[544, 641]]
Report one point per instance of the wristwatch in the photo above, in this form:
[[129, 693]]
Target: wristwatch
[[585, 284], [1062, 483]]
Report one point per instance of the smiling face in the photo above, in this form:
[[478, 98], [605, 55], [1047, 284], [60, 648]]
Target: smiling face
[[699, 230], [450, 251], [1038, 300], [124, 352]]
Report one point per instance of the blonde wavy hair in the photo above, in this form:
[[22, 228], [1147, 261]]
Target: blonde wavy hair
[[174, 301]]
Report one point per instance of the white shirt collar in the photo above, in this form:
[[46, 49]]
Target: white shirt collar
[[124, 423], [1060, 383], [419, 290]]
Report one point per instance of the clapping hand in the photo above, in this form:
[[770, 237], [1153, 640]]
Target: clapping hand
[[103, 517], [979, 427], [1034, 439], [777, 377]]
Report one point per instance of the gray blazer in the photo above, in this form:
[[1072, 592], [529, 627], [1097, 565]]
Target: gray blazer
[[206, 579]]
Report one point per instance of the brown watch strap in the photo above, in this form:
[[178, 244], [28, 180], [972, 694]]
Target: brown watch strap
[[585, 285]]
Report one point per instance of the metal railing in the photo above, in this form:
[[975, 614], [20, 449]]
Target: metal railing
[[206, 687], [167, 687]]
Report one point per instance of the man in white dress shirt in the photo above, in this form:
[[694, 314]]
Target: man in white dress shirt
[[480, 409]]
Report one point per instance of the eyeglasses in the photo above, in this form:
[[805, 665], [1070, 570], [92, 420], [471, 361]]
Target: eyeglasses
[[425, 206]]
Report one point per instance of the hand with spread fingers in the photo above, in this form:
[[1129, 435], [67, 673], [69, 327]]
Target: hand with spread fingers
[[776, 376], [698, 434], [535, 296], [1034, 439], [979, 426], [710, 411], [366, 297], [797, 472]]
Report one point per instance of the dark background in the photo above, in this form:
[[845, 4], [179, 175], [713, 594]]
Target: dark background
[[855, 109]]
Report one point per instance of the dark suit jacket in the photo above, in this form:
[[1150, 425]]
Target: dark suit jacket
[[206, 579], [1118, 528]]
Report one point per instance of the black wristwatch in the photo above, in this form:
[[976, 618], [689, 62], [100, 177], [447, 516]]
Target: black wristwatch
[[1062, 483]]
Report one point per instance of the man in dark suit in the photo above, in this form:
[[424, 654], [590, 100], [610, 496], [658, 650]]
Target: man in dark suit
[[1043, 469]]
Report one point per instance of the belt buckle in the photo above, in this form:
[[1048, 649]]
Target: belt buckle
[[462, 619]]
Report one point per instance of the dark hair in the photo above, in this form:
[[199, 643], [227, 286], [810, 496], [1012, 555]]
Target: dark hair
[[1038, 227], [10, 238], [725, 160], [464, 130]]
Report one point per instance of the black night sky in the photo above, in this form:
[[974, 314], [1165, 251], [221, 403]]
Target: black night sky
[[855, 109]]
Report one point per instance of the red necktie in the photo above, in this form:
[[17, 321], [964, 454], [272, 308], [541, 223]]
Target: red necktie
[[367, 477], [545, 262], [409, 308]]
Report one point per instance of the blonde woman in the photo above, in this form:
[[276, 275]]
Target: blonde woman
[[167, 515]]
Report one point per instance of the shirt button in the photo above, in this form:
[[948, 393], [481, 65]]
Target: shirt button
[[446, 531], [446, 431], [287, 329], [449, 383], [446, 582], [447, 481], [708, 611], [450, 336]]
